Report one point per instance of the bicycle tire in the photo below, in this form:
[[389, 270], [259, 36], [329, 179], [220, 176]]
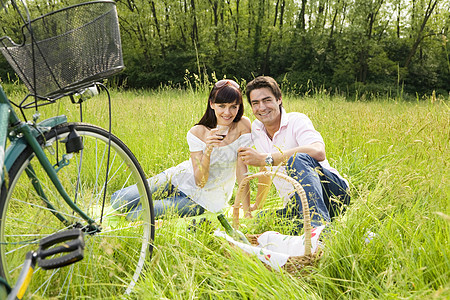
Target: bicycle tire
[[115, 257]]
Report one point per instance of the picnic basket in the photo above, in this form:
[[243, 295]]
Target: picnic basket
[[294, 263]]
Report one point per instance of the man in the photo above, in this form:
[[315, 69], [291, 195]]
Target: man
[[288, 142]]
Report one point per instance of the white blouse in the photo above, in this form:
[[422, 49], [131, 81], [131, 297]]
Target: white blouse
[[216, 193]]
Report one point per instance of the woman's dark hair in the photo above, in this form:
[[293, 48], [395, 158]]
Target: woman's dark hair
[[224, 94]]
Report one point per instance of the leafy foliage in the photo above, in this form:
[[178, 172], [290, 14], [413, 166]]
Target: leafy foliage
[[342, 45]]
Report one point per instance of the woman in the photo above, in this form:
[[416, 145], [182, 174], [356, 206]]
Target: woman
[[206, 181]]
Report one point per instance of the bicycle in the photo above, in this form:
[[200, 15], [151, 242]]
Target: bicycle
[[56, 175], [55, 251]]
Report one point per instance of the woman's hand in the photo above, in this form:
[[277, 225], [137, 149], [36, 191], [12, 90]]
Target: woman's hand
[[212, 141]]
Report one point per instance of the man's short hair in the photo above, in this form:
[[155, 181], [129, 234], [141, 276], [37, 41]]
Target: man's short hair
[[263, 82]]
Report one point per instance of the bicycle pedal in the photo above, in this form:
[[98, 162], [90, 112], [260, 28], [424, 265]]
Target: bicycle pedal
[[70, 242]]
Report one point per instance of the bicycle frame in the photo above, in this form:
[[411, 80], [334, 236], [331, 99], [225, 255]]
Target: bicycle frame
[[22, 134], [69, 175]]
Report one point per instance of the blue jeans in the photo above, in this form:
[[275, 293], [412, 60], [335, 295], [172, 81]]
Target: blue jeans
[[319, 185], [166, 198]]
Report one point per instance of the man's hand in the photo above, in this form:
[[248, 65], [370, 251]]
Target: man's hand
[[251, 157]]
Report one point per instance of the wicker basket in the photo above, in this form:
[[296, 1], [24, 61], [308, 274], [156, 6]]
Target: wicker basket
[[67, 49], [294, 263]]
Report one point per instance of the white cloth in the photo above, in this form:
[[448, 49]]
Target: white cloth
[[216, 193], [296, 129], [274, 248]]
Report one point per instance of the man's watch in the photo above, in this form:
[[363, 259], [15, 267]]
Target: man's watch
[[269, 160]]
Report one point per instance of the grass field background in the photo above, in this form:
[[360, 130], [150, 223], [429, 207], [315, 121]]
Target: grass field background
[[395, 155]]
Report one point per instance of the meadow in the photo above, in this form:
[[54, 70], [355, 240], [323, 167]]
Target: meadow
[[394, 153]]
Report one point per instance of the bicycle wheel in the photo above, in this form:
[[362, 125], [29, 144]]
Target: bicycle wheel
[[114, 257]]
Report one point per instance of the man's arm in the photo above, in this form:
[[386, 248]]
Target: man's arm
[[254, 158], [315, 150]]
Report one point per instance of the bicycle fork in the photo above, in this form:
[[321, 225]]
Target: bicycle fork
[[4, 113], [8, 117], [51, 172]]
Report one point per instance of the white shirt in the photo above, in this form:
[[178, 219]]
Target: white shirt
[[216, 193], [296, 129]]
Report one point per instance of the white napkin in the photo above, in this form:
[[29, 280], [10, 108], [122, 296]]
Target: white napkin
[[274, 248]]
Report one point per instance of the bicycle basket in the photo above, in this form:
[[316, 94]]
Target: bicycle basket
[[72, 48]]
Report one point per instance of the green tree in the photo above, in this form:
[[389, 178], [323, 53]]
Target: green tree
[[343, 45]]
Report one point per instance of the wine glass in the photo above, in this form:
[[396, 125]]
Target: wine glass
[[222, 131]]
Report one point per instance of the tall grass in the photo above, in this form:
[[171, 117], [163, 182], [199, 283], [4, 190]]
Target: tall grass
[[395, 155]]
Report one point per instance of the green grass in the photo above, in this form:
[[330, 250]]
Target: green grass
[[395, 155]]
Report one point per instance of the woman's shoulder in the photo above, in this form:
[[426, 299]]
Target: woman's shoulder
[[244, 125], [199, 131]]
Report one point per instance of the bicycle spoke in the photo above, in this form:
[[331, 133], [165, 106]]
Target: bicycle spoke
[[114, 254]]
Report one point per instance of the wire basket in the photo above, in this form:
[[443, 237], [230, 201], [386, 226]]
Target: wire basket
[[67, 49], [294, 263]]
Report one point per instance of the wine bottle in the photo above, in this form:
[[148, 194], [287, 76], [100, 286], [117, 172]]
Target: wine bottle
[[234, 233]]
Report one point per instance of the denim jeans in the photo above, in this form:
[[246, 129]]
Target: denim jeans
[[319, 185], [166, 198]]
